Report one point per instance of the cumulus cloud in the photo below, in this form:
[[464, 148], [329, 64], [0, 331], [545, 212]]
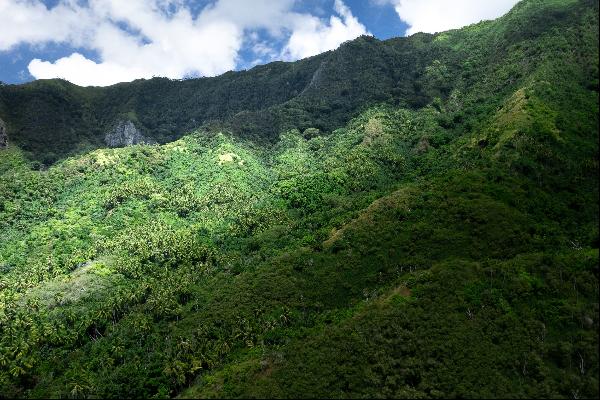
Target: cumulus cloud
[[272, 15], [31, 22], [439, 15], [78, 69], [144, 38], [312, 36]]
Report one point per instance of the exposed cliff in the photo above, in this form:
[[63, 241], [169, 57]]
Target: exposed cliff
[[124, 133]]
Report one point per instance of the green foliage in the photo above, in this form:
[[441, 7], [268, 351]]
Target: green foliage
[[441, 243]]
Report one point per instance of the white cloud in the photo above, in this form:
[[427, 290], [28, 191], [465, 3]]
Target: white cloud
[[79, 69], [312, 36], [272, 15], [31, 22], [145, 38], [440, 15]]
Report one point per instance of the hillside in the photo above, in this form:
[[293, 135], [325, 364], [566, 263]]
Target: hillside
[[53, 118], [415, 218]]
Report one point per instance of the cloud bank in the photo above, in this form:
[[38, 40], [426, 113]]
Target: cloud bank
[[144, 38], [433, 16], [311, 36]]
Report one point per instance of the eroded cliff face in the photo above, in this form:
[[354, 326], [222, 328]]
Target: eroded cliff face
[[123, 134], [3, 135]]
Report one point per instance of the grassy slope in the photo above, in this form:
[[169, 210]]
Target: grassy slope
[[445, 251]]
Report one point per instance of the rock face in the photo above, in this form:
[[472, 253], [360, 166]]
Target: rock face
[[124, 134], [3, 135]]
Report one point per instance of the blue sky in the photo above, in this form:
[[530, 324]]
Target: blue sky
[[102, 42]]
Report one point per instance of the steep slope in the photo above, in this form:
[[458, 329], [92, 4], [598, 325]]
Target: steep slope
[[51, 119], [55, 118], [442, 243]]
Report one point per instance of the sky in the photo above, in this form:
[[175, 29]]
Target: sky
[[103, 42]]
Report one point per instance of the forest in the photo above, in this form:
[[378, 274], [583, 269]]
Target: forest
[[410, 218]]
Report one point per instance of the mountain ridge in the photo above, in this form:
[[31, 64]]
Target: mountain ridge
[[258, 103]]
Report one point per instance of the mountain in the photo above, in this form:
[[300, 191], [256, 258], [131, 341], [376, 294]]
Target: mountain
[[53, 118], [415, 217]]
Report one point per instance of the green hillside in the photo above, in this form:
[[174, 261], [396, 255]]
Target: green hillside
[[410, 218]]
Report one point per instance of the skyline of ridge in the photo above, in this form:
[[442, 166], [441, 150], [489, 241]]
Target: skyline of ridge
[[102, 42]]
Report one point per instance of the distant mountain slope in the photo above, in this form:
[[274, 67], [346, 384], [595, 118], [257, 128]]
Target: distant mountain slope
[[51, 119]]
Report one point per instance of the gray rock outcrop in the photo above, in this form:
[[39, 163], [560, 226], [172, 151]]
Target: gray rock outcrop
[[3, 135], [124, 133]]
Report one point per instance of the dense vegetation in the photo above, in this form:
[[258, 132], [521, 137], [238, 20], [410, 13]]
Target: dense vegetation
[[438, 241], [51, 119]]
